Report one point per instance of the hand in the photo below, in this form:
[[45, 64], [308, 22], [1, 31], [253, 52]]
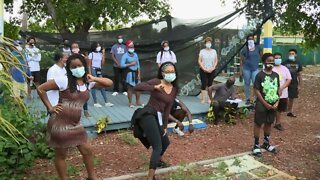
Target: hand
[[164, 132], [91, 78], [191, 128], [56, 109], [138, 77], [30, 78], [133, 63], [280, 91], [180, 125], [275, 106], [159, 87], [268, 106]]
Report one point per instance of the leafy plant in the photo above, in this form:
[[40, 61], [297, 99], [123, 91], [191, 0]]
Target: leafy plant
[[102, 123]]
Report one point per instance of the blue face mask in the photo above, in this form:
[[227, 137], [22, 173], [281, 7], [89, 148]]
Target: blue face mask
[[169, 77], [78, 72], [277, 62], [292, 58]]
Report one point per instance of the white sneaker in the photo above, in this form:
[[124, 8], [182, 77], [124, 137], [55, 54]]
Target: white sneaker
[[115, 93], [108, 104], [125, 93], [97, 105], [178, 131]]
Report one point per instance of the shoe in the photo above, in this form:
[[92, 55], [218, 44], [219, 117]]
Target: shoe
[[140, 105], [279, 127], [97, 105], [248, 102], [87, 114], [125, 93], [269, 147], [256, 151], [178, 131], [163, 164], [115, 93], [108, 104], [131, 106], [290, 114]]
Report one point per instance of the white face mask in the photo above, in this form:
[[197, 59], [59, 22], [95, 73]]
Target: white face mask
[[120, 41], [250, 44], [166, 48], [131, 50], [208, 45], [19, 48], [98, 48]]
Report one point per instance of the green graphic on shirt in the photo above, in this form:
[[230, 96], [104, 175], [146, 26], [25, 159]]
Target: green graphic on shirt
[[270, 89]]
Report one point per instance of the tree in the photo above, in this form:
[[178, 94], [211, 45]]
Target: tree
[[79, 16], [290, 16]]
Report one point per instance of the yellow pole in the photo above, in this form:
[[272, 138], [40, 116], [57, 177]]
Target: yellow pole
[[267, 40]]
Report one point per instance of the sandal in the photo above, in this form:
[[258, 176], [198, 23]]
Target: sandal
[[256, 151], [269, 148], [290, 114]]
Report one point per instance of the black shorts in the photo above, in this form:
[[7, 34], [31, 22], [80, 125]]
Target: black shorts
[[263, 115], [282, 106], [36, 76], [293, 91]]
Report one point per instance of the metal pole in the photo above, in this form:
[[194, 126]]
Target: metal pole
[[1, 18], [267, 27]]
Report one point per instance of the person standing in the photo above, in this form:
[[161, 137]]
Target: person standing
[[130, 61], [117, 51], [97, 60], [266, 88], [285, 80], [295, 68], [64, 129], [55, 71], [33, 57], [165, 54], [66, 47], [153, 119], [208, 60], [249, 64]]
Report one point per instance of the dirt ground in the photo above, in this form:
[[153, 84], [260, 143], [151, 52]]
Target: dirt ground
[[299, 148]]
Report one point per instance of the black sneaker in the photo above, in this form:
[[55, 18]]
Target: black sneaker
[[290, 114], [163, 164], [248, 102], [269, 148], [279, 127]]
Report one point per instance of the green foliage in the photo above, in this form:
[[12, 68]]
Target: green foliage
[[80, 16], [48, 26], [72, 171], [11, 31], [291, 17], [128, 138], [46, 59]]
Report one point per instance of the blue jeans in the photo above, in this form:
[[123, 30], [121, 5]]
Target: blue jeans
[[248, 77], [93, 91]]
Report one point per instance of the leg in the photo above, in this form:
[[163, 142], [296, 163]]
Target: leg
[[116, 72], [210, 80], [271, 114], [246, 79], [60, 162], [138, 102], [253, 78], [290, 105], [93, 91], [130, 95], [149, 125], [203, 80], [123, 74], [165, 143], [87, 156]]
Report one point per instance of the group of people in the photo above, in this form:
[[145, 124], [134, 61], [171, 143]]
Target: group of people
[[69, 81]]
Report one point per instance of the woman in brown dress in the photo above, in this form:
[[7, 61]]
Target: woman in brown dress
[[150, 123], [64, 129]]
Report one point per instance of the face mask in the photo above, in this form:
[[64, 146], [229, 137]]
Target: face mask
[[31, 44], [75, 50], [229, 83], [78, 72], [170, 77], [277, 62], [268, 66], [208, 45], [98, 48], [292, 58], [250, 44], [166, 48], [120, 41], [131, 50], [19, 48]]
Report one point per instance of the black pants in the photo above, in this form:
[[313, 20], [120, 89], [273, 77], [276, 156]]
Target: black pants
[[119, 77], [218, 108], [159, 143], [206, 79]]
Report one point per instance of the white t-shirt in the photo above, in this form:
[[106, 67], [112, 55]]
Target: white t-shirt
[[54, 72], [208, 58], [166, 56], [62, 83], [67, 50], [33, 58], [96, 59]]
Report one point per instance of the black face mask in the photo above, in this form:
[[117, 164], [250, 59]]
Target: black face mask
[[229, 83]]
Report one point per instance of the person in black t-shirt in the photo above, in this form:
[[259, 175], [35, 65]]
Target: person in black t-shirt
[[178, 112], [295, 68], [266, 88]]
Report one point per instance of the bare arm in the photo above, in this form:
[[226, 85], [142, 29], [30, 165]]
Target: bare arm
[[186, 109], [299, 78], [100, 82], [103, 60], [113, 57], [42, 92], [200, 63]]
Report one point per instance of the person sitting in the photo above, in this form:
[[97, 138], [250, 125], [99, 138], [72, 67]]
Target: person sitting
[[224, 91], [178, 112]]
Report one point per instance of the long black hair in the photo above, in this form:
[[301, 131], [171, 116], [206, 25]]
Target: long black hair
[[72, 81], [162, 48], [161, 69]]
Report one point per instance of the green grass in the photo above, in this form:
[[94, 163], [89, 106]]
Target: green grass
[[128, 138]]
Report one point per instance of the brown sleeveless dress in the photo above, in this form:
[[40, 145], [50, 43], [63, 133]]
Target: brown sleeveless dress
[[64, 129]]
